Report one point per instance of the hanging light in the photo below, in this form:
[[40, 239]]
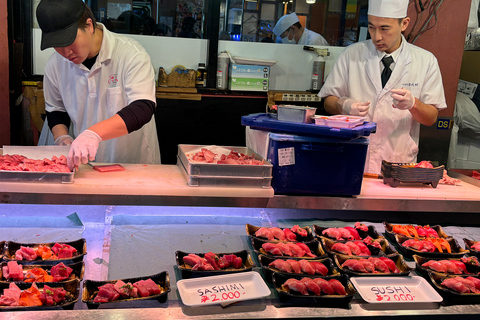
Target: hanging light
[[310, 1]]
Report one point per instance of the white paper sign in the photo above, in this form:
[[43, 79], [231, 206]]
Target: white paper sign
[[286, 156]]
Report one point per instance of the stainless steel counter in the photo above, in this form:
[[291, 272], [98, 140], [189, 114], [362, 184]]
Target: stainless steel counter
[[142, 185]]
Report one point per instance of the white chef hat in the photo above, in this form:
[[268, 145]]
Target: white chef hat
[[388, 8], [284, 23]]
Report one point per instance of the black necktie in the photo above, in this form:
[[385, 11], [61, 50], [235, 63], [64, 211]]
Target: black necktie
[[387, 61]]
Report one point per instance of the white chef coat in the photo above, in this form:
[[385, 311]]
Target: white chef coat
[[121, 74], [356, 74], [311, 38]]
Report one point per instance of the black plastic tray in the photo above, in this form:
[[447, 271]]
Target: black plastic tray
[[387, 248], [78, 270], [457, 251], [90, 289], [394, 173], [391, 235], [251, 229], [398, 259]]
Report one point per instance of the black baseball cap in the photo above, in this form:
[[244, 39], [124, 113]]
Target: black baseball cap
[[58, 20]]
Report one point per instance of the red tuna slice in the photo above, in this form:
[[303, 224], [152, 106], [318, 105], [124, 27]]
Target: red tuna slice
[[391, 264], [191, 259], [451, 267], [229, 257], [147, 287], [363, 247], [354, 248], [354, 233], [368, 265], [15, 271], [296, 285], [122, 288], [264, 233], [337, 286], [306, 267], [272, 248], [60, 272], [421, 231], [64, 251], [332, 233], [52, 296], [209, 155], [106, 293], [237, 263], [285, 248], [278, 233], [202, 265], [460, 265], [354, 265], [312, 286], [380, 266], [295, 265], [319, 267], [5, 273], [305, 248], [469, 284], [431, 232], [212, 259], [300, 231], [223, 262], [296, 250], [435, 266], [25, 253], [476, 281], [281, 265], [342, 248], [454, 284], [324, 285], [345, 234], [289, 235]]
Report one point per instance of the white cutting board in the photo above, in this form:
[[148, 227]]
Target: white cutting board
[[37, 152]]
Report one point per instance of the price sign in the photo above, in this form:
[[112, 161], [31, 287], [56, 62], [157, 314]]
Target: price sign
[[221, 293], [395, 290], [393, 293]]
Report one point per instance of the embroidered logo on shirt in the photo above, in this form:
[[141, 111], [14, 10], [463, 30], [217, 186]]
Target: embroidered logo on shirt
[[112, 81], [410, 84]]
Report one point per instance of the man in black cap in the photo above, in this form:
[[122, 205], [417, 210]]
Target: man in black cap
[[101, 82]]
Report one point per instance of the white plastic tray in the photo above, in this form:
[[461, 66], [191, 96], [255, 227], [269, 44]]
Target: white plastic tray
[[395, 290], [254, 61], [339, 121], [222, 289]]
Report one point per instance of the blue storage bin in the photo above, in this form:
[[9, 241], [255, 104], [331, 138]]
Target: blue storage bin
[[321, 166]]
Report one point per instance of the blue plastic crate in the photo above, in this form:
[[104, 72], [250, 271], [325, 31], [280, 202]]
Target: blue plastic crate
[[269, 122], [313, 166]]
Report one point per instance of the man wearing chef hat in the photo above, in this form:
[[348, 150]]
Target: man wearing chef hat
[[291, 31], [389, 81], [100, 83]]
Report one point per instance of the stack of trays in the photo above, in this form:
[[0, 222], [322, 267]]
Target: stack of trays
[[224, 175]]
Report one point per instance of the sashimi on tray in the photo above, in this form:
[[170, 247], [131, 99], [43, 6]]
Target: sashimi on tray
[[358, 231], [472, 246], [153, 287], [379, 247], [373, 266], [430, 247], [31, 253], [448, 266], [414, 231], [320, 267], [296, 250], [455, 289], [295, 233], [12, 271], [210, 263], [38, 296]]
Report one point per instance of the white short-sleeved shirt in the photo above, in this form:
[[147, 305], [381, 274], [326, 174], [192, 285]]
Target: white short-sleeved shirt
[[121, 74]]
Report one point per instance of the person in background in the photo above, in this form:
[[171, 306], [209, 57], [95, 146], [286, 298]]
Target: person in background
[[388, 81], [101, 83], [188, 28], [291, 31]]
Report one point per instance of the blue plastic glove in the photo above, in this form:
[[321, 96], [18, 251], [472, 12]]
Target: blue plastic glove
[[83, 148]]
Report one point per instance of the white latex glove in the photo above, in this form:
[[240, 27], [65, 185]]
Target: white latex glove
[[83, 148], [402, 99], [64, 140], [353, 107]]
